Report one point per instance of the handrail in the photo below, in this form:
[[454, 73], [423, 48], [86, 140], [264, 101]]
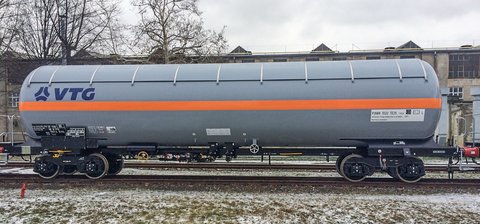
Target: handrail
[[424, 70], [31, 77], [53, 75], [261, 74], [93, 74], [306, 73], [8, 132], [12, 133], [218, 74], [176, 74], [399, 70], [351, 71], [135, 75]]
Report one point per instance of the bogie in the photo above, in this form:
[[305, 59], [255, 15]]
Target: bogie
[[355, 167]]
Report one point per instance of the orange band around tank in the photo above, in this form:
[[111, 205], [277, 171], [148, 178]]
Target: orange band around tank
[[235, 105]]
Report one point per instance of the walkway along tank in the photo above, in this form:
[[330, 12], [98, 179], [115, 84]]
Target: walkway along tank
[[85, 116]]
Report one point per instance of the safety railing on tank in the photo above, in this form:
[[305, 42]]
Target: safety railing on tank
[[8, 137]]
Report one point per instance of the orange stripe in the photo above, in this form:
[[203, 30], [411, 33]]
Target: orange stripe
[[337, 104]]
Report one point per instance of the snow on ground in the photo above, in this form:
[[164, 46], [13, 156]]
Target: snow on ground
[[16, 170], [86, 205], [119, 204]]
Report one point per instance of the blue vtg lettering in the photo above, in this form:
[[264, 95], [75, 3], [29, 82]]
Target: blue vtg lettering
[[86, 94]]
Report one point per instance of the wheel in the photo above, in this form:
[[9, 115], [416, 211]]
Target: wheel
[[96, 166], [338, 162], [411, 170], [69, 169], [46, 169], [115, 164], [254, 148], [353, 169]]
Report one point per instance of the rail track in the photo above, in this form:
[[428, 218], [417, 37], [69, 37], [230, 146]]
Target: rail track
[[253, 166], [142, 180]]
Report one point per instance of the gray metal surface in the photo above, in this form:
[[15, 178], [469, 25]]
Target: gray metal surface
[[443, 124], [373, 79], [475, 92]]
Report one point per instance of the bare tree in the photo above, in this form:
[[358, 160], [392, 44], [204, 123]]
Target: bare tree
[[213, 44], [37, 37], [117, 38], [86, 22], [51, 28], [171, 28], [9, 15]]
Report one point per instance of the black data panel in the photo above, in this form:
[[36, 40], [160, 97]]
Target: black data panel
[[75, 132], [49, 129]]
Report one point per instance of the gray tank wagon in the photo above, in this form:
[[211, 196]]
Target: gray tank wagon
[[86, 116]]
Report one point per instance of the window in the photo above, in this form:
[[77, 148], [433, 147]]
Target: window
[[456, 91], [340, 59], [407, 56], [280, 60], [373, 57], [460, 71], [248, 60], [13, 99], [469, 74], [312, 59], [464, 66]]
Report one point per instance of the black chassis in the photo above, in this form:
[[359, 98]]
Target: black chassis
[[68, 150]]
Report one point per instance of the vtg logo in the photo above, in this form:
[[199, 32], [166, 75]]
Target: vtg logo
[[60, 93]]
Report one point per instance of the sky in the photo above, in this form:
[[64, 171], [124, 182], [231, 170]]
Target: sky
[[301, 25]]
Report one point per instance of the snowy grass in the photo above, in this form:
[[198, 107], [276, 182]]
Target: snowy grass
[[85, 205], [119, 204]]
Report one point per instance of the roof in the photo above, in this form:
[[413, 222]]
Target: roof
[[88, 54], [12, 55], [240, 50], [322, 47], [409, 45]]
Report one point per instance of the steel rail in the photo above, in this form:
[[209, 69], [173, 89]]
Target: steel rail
[[331, 166], [139, 180]]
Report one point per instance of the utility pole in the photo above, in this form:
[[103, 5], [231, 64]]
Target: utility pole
[[63, 33], [63, 37]]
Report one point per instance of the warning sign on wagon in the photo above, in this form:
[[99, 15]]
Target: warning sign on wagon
[[398, 115], [218, 131]]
